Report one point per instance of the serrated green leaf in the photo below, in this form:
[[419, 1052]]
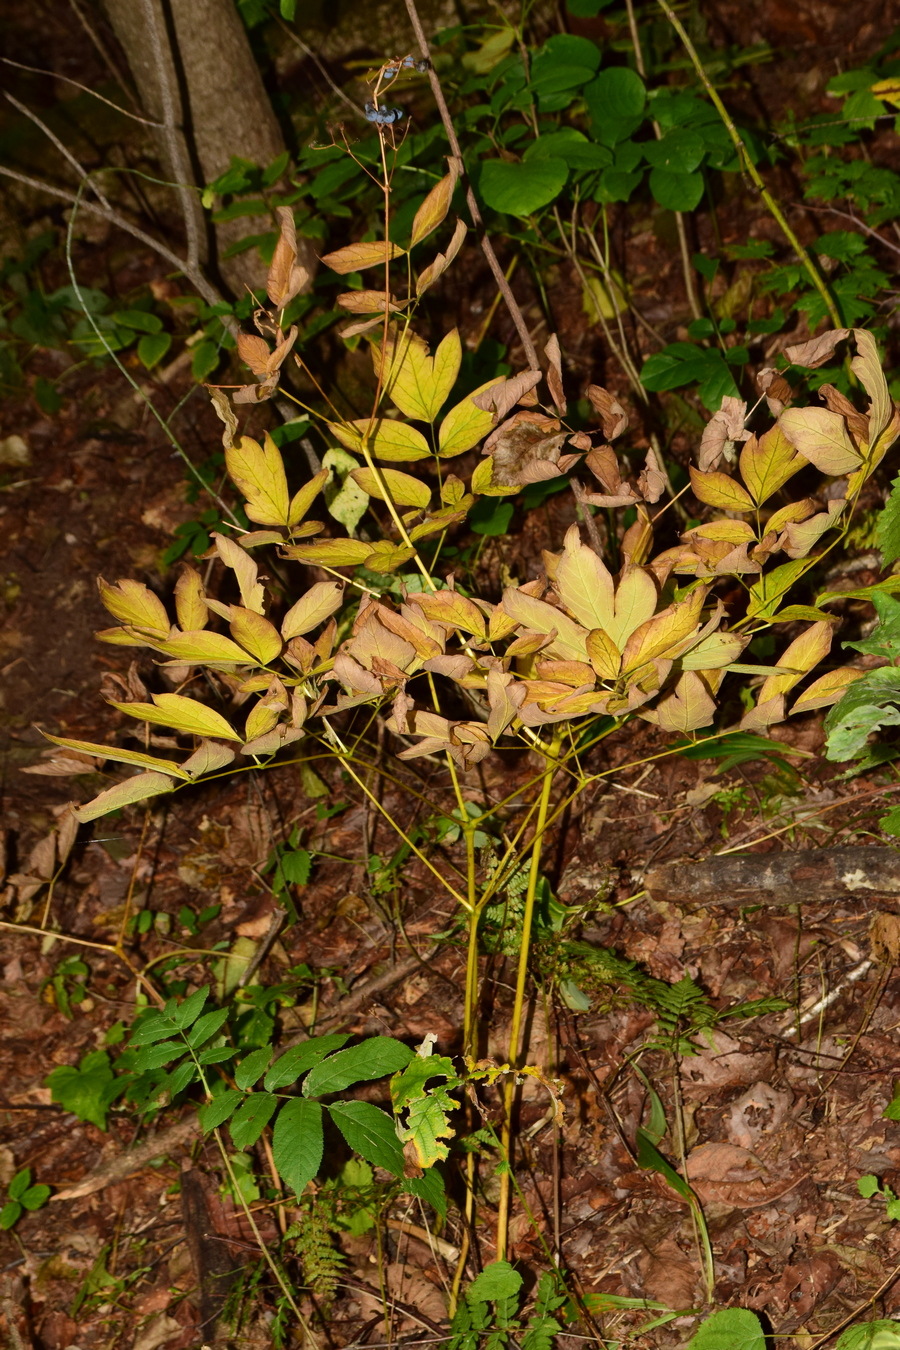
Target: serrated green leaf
[[370, 1132], [497, 1281], [155, 1056], [206, 1026], [214, 1113], [87, 1091], [298, 1142], [887, 529], [154, 1026], [252, 1068], [360, 1064], [300, 1058], [251, 1118], [729, 1329], [188, 1011], [217, 1054], [881, 1335]]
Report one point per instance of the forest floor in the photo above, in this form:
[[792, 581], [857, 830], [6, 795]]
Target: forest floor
[[782, 1114]]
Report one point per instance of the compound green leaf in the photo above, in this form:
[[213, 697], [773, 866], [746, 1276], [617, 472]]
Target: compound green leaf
[[300, 1058], [298, 1142], [370, 1132], [370, 1059], [251, 1118]]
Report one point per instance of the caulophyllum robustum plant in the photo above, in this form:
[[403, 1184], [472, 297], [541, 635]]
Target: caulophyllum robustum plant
[[555, 664]]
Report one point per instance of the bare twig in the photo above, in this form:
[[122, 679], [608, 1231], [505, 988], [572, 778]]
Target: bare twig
[[65, 79], [487, 247]]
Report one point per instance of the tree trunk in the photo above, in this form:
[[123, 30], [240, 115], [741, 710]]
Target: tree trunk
[[197, 77]]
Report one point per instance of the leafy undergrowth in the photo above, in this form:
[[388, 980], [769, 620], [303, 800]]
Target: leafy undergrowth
[[339, 1010]]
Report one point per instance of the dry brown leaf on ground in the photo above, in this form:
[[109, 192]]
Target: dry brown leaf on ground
[[727, 1175], [759, 1111], [722, 1063]]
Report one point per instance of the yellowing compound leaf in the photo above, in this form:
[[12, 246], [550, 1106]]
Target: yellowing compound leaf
[[821, 437], [585, 585], [799, 537], [255, 634], [190, 600], [603, 654], [331, 552], [717, 489], [204, 648], [765, 594], [184, 714], [136, 605], [866, 366], [827, 689], [112, 752], [466, 424], [451, 608], [303, 499], [404, 490], [435, 206], [385, 439], [355, 257], [209, 757], [663, 633], [802, 656], [136, 789], [714, 652], [537, 615], [318, 604], [418, 384], [689, 706], [244, 568], [768, 463], [429, 275], [787, 515], [636, 598], [258, 472]]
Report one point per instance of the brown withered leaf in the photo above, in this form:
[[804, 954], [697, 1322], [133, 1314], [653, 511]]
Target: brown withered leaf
[[526, 449], [651, 482], [778, 392], [727, 426], [286, 277], [225, 413], [501, 398], [884, 938], [835, 401], [604, 465], [613, 417], [817, 350], [580, 440], [554, 374]]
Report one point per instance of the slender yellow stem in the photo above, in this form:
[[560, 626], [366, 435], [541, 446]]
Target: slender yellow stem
[[753, 173], [340, 753], [515, 1029]]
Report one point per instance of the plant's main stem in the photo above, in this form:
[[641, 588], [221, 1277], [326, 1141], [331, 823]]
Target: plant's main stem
[[551, 756]]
